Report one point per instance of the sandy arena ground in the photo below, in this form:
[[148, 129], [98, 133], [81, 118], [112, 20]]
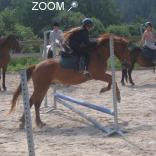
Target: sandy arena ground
[[67, 134]]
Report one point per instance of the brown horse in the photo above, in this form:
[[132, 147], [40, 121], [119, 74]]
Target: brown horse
[[50, 71], [6, 44], [135, 57]]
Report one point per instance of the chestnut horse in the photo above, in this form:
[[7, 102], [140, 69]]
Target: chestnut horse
[[6, 44], [50, 71], [135, 57]]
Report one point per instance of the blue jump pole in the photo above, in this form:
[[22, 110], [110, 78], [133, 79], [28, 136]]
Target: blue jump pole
[[83, 103], [90, 119]]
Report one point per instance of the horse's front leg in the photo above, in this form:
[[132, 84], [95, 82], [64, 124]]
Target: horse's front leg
[[130, 76], [108, 78], [0, 78], [3, 82], [124, 76]]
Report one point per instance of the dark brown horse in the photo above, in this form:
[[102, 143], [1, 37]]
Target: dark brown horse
[[50, 71], [7, 44], [135, 57]]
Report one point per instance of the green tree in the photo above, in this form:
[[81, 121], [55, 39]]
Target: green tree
[[4, 4], [8, 21], [104, 10], [26, 34], [2, 25], [69, 19], [37, 20]]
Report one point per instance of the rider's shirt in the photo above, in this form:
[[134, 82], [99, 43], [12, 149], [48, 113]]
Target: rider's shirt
[[55, 36], [56, 41], [80, 40], [149, 40]]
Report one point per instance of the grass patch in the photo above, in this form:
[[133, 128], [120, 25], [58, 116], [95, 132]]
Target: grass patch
[[17, 64]]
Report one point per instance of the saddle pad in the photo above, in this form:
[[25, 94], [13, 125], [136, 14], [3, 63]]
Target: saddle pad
[[69, 62], [147, 54], [1, 55]]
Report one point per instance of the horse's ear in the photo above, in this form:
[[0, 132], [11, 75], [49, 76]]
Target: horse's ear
[[12, 37]]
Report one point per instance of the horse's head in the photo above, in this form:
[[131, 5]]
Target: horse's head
[[120, 48], [13, 43]]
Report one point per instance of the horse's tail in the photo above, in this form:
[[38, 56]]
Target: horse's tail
[[17, 92]]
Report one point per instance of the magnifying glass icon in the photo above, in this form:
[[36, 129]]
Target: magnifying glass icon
[[74, 4]]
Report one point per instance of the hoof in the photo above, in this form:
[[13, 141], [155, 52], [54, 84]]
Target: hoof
[[103, 90], [21, 126], [41, 124], [4, 88], [122, 83], [133, 84], [119, 99]]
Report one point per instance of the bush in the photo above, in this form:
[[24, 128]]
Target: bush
[[26, 34], [98, 28], [122, 30], [125, 29], [134, 29]]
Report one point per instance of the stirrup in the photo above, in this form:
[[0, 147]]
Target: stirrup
[[154, 62], [85, 72]]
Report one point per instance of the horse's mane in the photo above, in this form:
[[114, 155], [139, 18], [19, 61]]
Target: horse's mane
[[4, 40], [102, 39], [70, 33]]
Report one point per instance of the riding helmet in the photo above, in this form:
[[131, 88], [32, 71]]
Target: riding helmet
[[87, 22], [56, 24], [148, 24]]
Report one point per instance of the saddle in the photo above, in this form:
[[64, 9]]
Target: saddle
[[148, 53], [71, 61]]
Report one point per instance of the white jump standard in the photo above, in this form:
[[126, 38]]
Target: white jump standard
[[27, 113]]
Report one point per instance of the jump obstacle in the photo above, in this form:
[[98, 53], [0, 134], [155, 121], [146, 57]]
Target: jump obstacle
[[62, 99]]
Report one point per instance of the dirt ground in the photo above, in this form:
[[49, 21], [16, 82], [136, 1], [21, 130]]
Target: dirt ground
[[67, 134]]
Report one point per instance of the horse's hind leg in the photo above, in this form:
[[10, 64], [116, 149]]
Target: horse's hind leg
[[123, 76], [22, 119], [3, 73], [130, 74], [39, 94], [39, 123], [0, 78]]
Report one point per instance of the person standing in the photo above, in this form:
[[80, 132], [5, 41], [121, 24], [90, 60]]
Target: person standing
[[56, 39]]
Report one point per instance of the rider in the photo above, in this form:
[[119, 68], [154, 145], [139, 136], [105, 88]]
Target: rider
[[56, 38], [80, 43], [148, 39]]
